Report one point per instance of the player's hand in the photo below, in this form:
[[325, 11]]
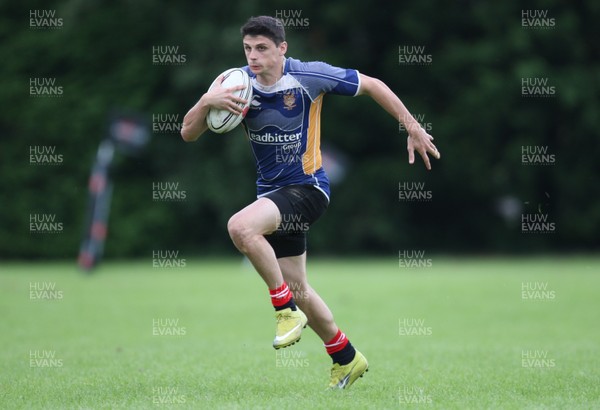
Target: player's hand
[[419, 140], [223, 98]]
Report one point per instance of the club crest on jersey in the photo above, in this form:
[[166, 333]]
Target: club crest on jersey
[[289, 101]]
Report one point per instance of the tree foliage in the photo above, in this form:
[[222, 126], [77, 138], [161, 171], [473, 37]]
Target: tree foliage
[[470, 94]]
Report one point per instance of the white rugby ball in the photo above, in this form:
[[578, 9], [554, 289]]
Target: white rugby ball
[[221, 121]]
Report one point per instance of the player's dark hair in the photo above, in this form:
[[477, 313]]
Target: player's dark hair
[[267, 26]]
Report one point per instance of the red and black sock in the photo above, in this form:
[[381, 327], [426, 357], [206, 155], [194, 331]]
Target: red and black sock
[[340, 349], [282, 298]]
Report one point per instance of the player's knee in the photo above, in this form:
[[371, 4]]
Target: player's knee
[[239, 232], [234, 227]]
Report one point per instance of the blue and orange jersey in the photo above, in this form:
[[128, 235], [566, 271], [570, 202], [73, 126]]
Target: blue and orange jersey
[[283, 124]]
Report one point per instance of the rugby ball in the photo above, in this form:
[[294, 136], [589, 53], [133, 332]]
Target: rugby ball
[[221, 121]]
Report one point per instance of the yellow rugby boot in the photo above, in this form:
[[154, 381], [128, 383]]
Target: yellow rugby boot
[[289, 327], [343, 376]]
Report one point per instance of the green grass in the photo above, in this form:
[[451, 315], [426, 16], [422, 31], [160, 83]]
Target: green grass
[[101, 334]]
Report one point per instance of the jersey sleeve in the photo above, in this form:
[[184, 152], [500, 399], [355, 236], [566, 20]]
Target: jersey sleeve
[[318, 77]]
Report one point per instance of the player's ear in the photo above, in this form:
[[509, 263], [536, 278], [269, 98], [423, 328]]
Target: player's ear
[[283, 48]]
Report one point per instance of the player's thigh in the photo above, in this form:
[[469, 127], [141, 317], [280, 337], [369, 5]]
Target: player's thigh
[[260, 217]]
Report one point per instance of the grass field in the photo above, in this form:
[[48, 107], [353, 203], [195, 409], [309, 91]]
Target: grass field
[[457, 335]]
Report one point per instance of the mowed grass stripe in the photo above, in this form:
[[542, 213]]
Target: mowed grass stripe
[[474, 322]]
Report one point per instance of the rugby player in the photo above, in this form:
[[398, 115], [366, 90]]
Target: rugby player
[[283, 128]]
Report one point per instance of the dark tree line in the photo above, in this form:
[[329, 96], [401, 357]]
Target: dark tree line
[[509, 91]]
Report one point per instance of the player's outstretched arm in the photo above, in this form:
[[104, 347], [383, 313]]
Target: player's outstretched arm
[[194, 122], [418, 139]]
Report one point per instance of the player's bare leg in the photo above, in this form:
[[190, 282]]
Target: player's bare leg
[[320, 318], [247, 229], [348, 363]]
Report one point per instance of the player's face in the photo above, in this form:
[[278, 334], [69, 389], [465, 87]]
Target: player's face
[[263, 56]]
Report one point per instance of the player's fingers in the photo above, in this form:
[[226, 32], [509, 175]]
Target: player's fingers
[[411, 150], [234, 108], [239, 100], [411, 156], [426, 160], [236, 88], [434, 151]]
